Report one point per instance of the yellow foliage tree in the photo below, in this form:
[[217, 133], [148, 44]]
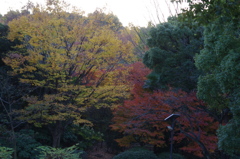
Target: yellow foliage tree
[[72, 61]]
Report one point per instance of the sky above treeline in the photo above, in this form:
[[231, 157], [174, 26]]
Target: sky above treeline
[[137, 12]]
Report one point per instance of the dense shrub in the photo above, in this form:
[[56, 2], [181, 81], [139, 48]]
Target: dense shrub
[[166, 155], [136, 154], [5, 152], [26, 144], [47, 152], [83, 136]]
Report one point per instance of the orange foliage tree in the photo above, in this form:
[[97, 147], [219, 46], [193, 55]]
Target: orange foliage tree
[[141, 119]]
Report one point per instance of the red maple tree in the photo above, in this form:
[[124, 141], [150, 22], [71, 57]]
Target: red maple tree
[[141, 118]]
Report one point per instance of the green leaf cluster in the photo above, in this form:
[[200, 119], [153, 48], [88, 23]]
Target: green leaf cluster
[[229, 137], [5, 152], [219, 86], [205, 12], [26, 144], [58, 153], [85, 136], [172, 48], [219, 60]]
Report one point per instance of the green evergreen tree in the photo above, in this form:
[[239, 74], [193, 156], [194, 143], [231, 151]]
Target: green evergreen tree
[[172, 47], [219, 61], [220, 85]]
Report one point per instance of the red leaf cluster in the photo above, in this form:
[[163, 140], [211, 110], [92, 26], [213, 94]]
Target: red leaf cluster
[[141, 119]]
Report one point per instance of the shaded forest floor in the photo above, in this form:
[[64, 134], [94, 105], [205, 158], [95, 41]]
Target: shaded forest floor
[[99, 152]]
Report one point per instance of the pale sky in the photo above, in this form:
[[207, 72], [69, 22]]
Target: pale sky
[[138, 12]]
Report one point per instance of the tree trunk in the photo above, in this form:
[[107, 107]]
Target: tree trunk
[[56, 132], [56, 139], [13, 136], [205, 151], [14, 142]]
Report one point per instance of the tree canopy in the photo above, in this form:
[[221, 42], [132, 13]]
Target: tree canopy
[[141, 118], [172, 48], [219, 86], [219, 61], [70, 79], [71, 62]]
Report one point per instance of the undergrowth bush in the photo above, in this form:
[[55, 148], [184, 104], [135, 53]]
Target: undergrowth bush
[[26, 144], [5, 152], [47, 152], [84, 136], [166, 155]]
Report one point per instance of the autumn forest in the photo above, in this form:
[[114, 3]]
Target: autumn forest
[[71, 81]]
